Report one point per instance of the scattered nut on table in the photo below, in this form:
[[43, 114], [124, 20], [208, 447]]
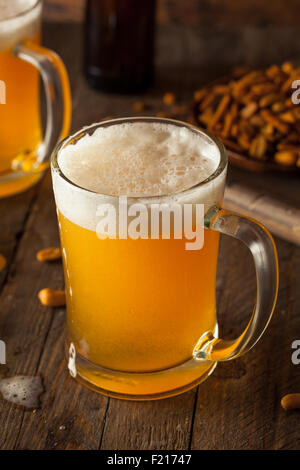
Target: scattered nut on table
[[291, 401], [49, 254], [52, 298]]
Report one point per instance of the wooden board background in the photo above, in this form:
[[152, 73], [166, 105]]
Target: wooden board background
[[238, 407]]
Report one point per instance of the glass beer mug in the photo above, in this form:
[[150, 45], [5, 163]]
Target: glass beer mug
[[141, 311], [23, 149]]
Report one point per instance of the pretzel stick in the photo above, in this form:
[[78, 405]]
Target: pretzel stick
[[269, 117], [219, 111]]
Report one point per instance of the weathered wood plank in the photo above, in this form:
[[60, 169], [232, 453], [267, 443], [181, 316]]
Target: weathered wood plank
[[161, 424]]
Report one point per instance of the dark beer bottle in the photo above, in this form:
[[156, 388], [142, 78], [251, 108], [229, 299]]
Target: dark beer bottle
[[119, 36]]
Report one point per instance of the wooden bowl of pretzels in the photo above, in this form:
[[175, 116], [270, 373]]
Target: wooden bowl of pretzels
[[253, 114]]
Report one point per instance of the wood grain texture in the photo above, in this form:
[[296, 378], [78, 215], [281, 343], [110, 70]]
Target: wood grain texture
[[11, 233], [238, 407], [250, 399]]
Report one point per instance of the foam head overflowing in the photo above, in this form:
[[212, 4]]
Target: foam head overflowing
[[139, 159], [19, 20]]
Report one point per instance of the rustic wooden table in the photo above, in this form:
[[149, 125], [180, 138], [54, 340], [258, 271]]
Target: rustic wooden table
[[238, 407]]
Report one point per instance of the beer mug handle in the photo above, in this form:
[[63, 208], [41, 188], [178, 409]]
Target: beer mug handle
[[58, 103], [262, 246]]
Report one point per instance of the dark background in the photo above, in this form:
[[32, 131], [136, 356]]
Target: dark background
[[228, 32]]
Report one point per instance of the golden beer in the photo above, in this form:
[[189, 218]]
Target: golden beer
[[153, 297], [141, 305]]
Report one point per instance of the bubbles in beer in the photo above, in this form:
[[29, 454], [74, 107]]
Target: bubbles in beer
[[22, 390], [139, 159]]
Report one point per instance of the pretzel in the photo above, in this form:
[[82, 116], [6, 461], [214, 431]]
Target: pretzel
[[285, 157], [258, 147], [246, 81], [269, 99], [249, 110], [272, 119], [219, 111], [228, 120], [207, 100], [253, 114]]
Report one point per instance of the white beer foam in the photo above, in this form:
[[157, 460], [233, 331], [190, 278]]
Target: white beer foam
[[19, 20], [139, 160]]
